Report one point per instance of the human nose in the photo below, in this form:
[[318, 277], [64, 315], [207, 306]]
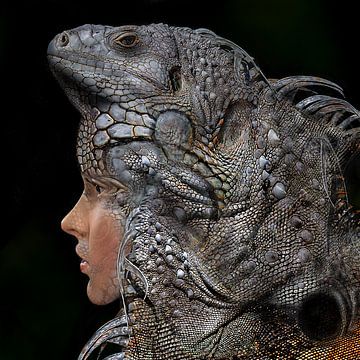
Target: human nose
[[75, 223]]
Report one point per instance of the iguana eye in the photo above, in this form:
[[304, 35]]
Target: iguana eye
[[128, 39]]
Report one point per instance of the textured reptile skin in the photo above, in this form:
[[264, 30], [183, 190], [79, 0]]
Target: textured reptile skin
[[243, 243]]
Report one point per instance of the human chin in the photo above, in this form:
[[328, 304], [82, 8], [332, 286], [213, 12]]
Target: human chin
[[100, 292]]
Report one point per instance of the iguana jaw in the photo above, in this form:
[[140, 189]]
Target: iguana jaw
[[83, 88]]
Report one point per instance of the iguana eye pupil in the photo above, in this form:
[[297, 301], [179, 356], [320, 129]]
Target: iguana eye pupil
[[127, 40]]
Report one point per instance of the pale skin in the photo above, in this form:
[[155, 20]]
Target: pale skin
[[99, 233]]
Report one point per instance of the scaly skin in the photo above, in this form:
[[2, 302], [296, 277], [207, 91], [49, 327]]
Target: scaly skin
[[242, 240]]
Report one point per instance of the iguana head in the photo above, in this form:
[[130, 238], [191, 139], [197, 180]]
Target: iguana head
[[131, 74], [114, 65], [234, 224]]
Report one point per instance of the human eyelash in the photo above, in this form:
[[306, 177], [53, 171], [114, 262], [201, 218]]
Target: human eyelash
[[98, 188]]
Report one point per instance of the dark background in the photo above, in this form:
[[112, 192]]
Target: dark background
[[45, 313]]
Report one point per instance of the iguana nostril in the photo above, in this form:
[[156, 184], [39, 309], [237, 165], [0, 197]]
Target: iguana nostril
[[63, 39]]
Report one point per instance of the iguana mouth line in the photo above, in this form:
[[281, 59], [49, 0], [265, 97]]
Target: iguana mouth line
[[81, 59], [83, 68], [62, 62]]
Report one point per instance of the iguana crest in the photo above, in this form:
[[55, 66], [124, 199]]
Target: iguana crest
[[243, 243]]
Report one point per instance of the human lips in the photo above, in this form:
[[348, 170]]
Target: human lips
[[84, 264]]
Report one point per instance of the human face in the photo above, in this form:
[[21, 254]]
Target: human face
[[98, 225]]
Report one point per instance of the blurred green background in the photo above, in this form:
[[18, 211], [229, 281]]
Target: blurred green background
[[44, 310]]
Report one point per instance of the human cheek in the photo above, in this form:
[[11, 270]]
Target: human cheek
[[100, 227], [103, 241]]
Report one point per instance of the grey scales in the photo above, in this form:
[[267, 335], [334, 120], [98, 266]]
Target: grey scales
[[243, 244]]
